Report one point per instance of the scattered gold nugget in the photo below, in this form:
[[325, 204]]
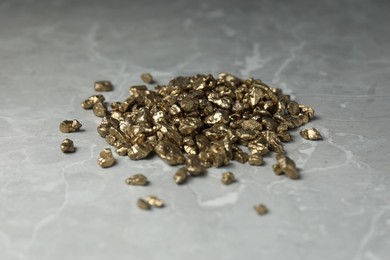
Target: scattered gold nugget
[[154, 201], [147, 78], [285, 165], [67, 146], [261, 209], [106, 158], [181, 175], [228, 178], [69, 126], [142, 204], [137, 179], [311, 134], [103, 86]]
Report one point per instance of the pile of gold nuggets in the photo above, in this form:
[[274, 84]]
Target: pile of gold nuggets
[[199, 122]]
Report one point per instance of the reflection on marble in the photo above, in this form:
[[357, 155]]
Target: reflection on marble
[[332, 55]]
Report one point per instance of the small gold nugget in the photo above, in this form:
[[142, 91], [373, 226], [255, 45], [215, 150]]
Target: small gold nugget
[[228, 178], [99, 109], [91, 101], [147, 78], [106, 158], [121, 151], [285, 165], [180, 176], [239, 155], [137, 179], [194, 167], [142, 204], [311, 134], [139, 151], [258, 146], [69, 126], [154, 201], [169, 152], [103, 86], [261, 209], [255, 159], [67, 146]]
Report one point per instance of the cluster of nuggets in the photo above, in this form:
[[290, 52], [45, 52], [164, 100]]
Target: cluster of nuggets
[[201, 121]]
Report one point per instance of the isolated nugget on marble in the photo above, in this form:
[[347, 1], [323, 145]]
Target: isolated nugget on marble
[[147, 78], [261, 209], [67, 146], [228, 178], [154, 201], [137, 179], [69, 126], [311, 134]]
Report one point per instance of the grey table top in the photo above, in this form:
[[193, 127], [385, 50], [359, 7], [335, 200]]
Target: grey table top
[[332, 55]]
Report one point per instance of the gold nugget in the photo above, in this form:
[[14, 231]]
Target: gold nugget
[[99, 109], [194, 166], [180, 176], [67, 146], [139, 151], [154, 201], [311, 134], [261, 209], [307, 111], [147, 78], [258, 146], [137, 180], [285, 165], [169, 152], [106, 158], [103, 86], [91, 101], [239, 155], [255, 159], [69, 126], [121, 151], [228, 178], [142, 204]]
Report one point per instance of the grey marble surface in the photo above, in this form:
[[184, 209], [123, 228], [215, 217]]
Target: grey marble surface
[[332, 55]]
